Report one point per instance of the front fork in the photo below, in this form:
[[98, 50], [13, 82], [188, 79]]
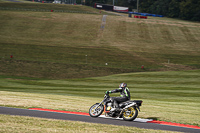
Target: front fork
[[98, 106]]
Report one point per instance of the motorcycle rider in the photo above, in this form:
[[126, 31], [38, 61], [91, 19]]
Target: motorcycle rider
[[124, 95]]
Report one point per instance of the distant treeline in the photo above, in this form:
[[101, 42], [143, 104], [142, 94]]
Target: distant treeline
[[183, 9]]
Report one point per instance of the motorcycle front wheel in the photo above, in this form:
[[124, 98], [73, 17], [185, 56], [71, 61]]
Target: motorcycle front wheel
[[96, 110], [130, 114]]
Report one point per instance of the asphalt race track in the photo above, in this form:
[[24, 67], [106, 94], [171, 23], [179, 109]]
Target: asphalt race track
[[85, 118]]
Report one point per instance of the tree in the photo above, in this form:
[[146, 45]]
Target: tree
[[174, 9], [190, 10], [145, 5]]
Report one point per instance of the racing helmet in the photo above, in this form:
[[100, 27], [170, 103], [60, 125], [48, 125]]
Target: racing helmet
[[122, 85]]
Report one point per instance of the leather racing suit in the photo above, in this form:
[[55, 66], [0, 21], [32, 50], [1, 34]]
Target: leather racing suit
[[124, 96]]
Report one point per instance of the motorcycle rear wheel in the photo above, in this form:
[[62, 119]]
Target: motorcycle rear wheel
[[95, 111], [130, 114]]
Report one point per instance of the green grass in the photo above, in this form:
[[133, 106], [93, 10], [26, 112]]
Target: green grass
[[54, 45], [169, 96], [49, 68], [46, 7], [38, 125]]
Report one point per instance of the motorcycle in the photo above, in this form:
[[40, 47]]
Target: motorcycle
[[127, 110]]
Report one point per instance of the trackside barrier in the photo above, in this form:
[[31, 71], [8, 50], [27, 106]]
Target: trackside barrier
[[146, 14], [143, 17]]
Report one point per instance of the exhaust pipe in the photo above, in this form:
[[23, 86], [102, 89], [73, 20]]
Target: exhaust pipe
[[132, 104]]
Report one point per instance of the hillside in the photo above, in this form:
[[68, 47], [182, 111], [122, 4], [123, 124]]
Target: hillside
[[58, 45]]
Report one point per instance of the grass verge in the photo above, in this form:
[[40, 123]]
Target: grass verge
[[168, 96], [38, 125], [71, 45]]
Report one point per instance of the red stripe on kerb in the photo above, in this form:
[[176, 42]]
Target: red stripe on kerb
[[173, 124], [86, 114], [60, 111]]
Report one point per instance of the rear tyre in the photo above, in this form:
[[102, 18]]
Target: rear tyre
[[96, 110], [130, 114]]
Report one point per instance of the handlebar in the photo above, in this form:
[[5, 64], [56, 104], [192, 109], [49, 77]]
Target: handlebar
[[106, 95]]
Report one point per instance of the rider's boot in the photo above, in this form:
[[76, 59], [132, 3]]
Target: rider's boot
[[115, 109], [116, 106]]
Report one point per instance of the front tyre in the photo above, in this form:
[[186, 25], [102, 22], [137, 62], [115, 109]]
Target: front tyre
[[130, 114], [96, 110]]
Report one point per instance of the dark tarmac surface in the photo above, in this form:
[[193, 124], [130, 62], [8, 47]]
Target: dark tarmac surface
[[72, 117]]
